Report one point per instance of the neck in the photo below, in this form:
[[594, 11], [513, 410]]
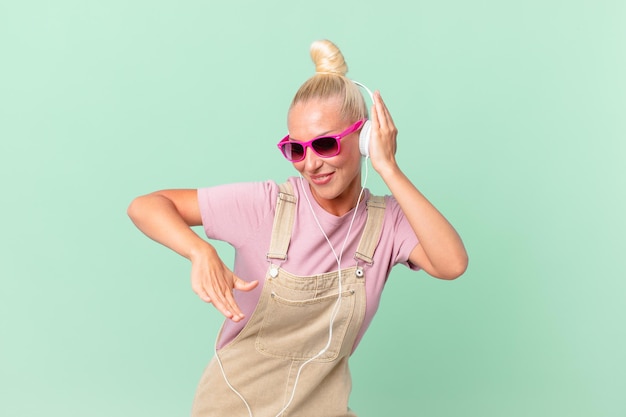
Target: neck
[[342, 203]]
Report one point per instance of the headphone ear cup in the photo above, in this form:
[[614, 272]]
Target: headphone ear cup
[[364, 138]]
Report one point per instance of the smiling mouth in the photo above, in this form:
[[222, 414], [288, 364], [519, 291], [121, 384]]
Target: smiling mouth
[[321, 179]]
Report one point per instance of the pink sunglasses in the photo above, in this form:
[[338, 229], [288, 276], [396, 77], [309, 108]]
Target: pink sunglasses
[[323, 146]]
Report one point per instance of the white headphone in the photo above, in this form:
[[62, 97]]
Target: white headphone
[[364, 137]]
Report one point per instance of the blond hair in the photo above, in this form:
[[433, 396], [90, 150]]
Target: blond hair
[[330, 81]]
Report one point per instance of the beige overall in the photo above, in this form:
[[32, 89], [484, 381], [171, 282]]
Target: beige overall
[[289, 326]]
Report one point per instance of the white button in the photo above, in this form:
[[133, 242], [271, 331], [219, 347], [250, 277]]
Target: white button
[[273, 272], [359, 272]]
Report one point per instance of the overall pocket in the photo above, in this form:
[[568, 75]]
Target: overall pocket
[[299, 329]]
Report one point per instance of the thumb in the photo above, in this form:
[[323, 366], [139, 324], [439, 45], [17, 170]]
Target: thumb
[[242, 285]]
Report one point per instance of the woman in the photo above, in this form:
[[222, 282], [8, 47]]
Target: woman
[[296, 307]]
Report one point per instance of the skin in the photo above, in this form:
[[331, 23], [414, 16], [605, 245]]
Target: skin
[[335, 182], [166, 215]]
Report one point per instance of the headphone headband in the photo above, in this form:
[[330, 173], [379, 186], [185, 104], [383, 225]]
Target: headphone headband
[[365, 88]]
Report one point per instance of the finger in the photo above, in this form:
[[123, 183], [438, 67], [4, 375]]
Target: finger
[[230, 301], [219, 301], [242, 285], [226, 303], [234, 307], [204, 297], [200, 292], [374, 116], [378, 112], [382, 112]]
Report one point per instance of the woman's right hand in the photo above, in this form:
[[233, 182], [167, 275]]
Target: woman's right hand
[[214, 282], [167, 216]]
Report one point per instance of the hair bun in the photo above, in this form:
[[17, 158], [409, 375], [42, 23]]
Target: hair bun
[[328, 58]]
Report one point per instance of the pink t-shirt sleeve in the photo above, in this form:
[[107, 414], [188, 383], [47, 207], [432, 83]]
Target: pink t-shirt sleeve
[[404, 239], [233, 212]]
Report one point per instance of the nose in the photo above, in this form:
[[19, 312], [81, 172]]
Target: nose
[[312, 162]]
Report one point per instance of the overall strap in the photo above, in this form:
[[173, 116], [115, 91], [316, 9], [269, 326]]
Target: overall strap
[[283, 222], [372, 230], [284, 217]]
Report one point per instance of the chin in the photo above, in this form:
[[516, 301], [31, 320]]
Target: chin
[[328, 192]]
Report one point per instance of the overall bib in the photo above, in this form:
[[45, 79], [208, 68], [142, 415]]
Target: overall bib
[[289, 326]]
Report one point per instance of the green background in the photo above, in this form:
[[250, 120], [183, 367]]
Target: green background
[[511, 120]]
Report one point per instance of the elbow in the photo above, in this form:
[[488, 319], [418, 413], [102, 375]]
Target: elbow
[[455, 268], [130, 209], [134, 209]]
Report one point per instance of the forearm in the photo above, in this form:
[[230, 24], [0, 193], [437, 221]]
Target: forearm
[[440, 242], [158, 218]]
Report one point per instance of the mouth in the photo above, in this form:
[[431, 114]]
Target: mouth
[[321, 179]]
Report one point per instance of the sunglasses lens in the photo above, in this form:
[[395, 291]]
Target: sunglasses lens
[[293, 151], [326, 146]]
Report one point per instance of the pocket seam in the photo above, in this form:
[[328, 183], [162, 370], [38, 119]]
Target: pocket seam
[[336, 345]]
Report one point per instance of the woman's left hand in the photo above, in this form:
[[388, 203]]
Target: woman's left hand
[[440, 251], [383, 132]]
